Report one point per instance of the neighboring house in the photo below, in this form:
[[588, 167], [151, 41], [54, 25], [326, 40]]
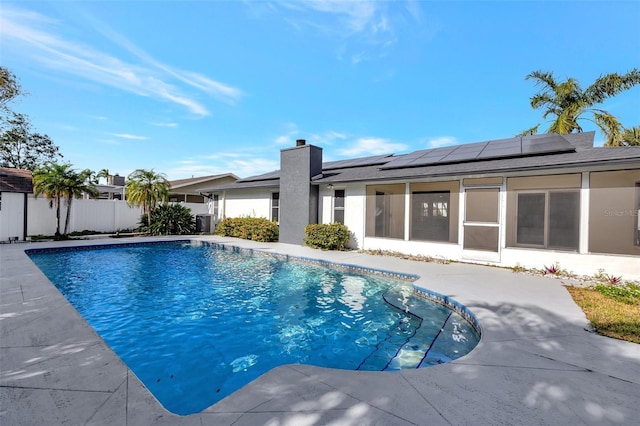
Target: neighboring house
[[190, 190], [530, 201], [113, 190], [15, 187]]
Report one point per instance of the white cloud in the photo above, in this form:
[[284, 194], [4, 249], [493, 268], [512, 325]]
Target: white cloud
[[441, 141], [37, 37], [293, 133], [221, 155], [110, 141], [283, 140], [355, 15], [167, 124], [129, 136], [367, 27], [240, 165], [372, 146]]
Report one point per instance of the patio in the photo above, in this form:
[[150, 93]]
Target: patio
[[535, 364]]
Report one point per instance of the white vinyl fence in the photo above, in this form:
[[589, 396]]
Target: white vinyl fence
[[94, 215]]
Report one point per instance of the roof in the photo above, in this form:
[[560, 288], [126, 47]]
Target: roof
[[536, 152], [596, 156], [180, 183], [16, 180]]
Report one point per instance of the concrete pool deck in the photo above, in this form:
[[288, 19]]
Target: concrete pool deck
[[535, 364]]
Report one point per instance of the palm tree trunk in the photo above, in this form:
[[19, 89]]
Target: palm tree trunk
[[57, 201], [68, 216]]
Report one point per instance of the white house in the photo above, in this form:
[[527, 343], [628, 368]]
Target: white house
[[530, 201]]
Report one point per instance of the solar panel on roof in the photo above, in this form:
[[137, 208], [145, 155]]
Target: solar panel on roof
[[465, 152], [357, 162], [551, 143], [503, 148], [500, 148]]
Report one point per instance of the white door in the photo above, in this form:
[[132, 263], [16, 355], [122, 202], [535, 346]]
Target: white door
[[481, 225]]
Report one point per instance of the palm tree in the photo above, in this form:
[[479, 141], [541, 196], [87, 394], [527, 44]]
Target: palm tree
[[631, 136], [58, 181], [76, 185], [50, 181], [567, 102], [104, 173], [146, 188]]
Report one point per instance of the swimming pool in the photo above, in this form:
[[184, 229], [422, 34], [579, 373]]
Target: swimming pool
[[197, 321]]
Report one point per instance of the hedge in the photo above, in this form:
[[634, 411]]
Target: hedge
[[327, 237], [249, 228]]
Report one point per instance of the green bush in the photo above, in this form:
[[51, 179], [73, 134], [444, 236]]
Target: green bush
[[249, 228], [327, 237], [83, 233], [169, 219]]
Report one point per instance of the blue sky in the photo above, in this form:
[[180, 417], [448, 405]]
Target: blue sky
[[192, 88]]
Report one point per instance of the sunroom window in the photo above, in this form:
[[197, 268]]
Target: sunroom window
[[548, 219], [385, 211], [430, 215]]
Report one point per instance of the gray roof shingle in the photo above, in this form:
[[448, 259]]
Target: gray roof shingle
[[575, 150], [16, 180]]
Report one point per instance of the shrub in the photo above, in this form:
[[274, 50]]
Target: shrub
[[249, 228], [83, 233], [169, 219], [327, 237]]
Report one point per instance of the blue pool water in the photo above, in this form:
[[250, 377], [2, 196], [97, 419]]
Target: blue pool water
[[197, 321]]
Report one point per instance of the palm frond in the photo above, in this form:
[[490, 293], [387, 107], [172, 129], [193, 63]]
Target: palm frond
[[611, 84], [544, 78], [531, 131], [611, 127], [631, 136]]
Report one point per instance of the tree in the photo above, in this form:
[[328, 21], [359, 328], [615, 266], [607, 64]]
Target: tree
[[104, 173], [567, 103], [631, 136], [9, 88], [75, 186], [49, 181], [59, 181], [146, 188], [20, 146]]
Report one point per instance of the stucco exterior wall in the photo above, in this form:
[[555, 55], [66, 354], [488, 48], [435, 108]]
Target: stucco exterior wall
[[247, 203], [354, 210]]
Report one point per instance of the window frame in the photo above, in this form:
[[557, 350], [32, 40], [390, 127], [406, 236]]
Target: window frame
[[431, 208], [275, 207], [385, 211], [547, 219], [337, 208]]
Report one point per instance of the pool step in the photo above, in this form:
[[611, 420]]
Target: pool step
[[387, 349], [425, 347]]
